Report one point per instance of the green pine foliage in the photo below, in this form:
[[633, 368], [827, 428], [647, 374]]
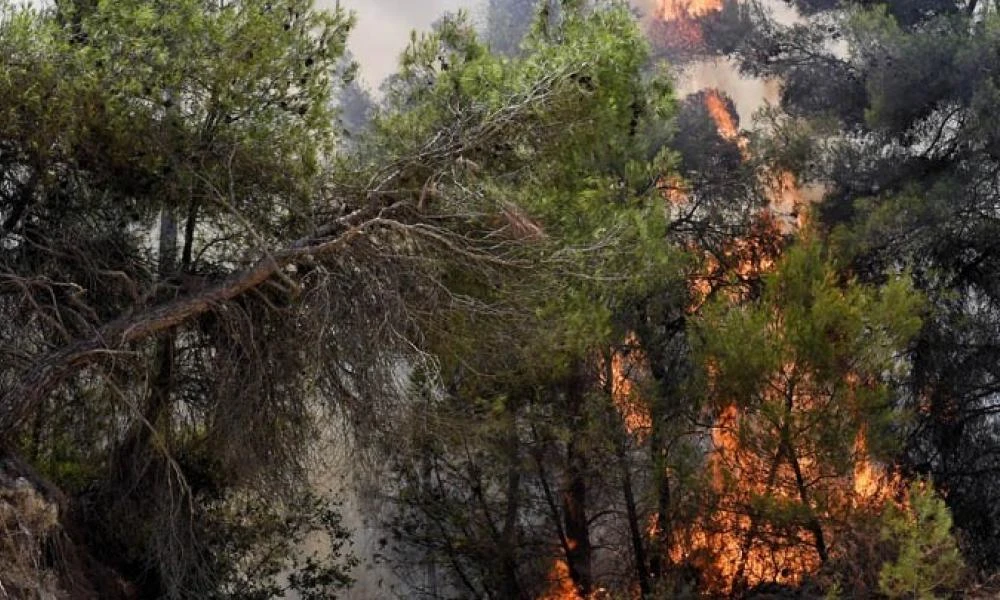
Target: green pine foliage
[[928, 564], [513, 284]]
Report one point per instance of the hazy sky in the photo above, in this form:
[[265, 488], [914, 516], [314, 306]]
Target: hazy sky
[[384, 26], [383, 29]]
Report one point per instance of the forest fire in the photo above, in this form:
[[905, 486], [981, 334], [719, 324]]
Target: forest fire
[[560, 584], [871, 483], [675, 22], [735, 547], [720, 112], [627, 367], [675, 10], [546, 314], [743, 261]]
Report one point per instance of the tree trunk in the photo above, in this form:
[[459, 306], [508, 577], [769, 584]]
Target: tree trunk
[[509, 538], [623, 447], [638, 546], [740, 581], [813, 524], [574, 497], [666, 372], [660, 553], [50, 370], [137, 440], [189, 229]]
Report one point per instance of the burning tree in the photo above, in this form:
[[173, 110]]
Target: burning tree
[[530, 487], [796, 382]]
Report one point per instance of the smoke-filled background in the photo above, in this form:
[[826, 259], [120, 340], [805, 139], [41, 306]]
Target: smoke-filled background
[[383, 29], [570, 319]]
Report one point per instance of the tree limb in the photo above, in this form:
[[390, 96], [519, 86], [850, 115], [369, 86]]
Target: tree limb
[[52, 369]]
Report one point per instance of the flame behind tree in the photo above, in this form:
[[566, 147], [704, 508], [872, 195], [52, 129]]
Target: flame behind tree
[[625, 367], [675, 26], [721, 114], [721, 179], [795, 382], [777, 492], [675, 10], [561, 585], [794, 403]]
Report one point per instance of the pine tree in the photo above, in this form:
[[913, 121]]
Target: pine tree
[[928, 564]]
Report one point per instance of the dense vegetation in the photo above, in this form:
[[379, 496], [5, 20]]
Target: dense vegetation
[[580, 337]]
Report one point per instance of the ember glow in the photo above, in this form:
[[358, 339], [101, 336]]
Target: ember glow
[[676, 10], [560, 584], [675, 26], [733, 546], [724, 119], [628, 366]]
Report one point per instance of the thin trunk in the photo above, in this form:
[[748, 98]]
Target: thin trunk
[[189, 229], [740, 582], [813, 524], [427, 484], [168, 243], [162, 384], [622, 447], [161, 381], [666, 373], [660, 554], [550, 498], [638, 547], [575, 517], [574, 497], [509, 538]]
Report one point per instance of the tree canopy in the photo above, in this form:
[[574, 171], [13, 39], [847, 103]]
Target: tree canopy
[[578, 335]]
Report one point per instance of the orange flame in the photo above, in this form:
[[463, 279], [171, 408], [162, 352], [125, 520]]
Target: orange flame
[[677, 10], [730, 547], [867, 478], [789, 200], [628, 365], [675, 190], [560, 584], [724, 119], [733, 546], [873, 483], [744, 259], [675, 26]]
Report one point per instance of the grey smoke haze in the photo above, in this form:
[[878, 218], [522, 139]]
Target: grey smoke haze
[[383, 30], [384, 26]]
